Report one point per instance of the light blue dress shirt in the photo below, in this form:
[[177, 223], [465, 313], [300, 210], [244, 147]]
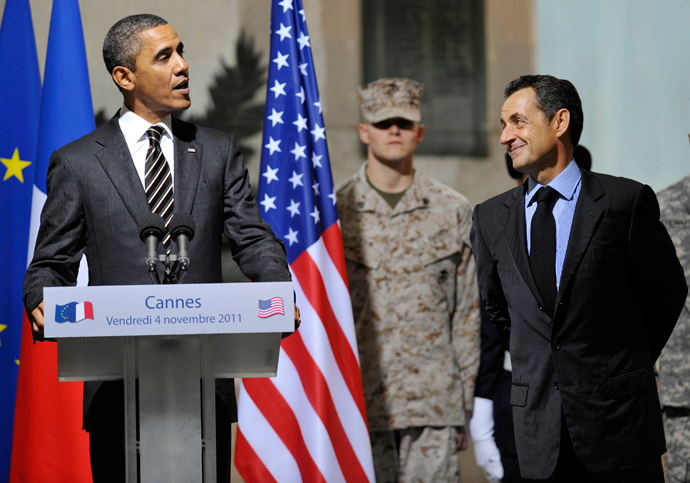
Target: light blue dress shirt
[[568, 184]]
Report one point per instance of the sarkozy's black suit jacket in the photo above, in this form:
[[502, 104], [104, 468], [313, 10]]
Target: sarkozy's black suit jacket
[[590, 363]]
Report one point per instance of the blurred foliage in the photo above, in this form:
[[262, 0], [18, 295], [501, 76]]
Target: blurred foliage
[[233, 106]]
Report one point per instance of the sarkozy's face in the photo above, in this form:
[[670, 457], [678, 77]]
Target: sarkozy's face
[[528, 136]]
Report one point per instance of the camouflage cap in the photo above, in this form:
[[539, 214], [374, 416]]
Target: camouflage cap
[[388, 98]]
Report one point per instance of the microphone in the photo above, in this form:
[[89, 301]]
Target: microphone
[[151, 232], [182, 231]]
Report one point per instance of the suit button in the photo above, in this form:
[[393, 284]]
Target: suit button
[[541, 308], [556, 345], [555, 385]]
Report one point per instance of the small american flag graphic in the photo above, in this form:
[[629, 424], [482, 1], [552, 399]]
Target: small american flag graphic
[[271, 307]]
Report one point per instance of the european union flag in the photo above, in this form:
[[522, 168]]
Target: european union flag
[[19, 111], [66, 313]]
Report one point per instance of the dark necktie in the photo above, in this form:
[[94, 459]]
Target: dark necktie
[[159, 187], [543, 247]]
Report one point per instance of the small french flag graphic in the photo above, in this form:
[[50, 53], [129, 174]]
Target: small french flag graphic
[[73, 312]]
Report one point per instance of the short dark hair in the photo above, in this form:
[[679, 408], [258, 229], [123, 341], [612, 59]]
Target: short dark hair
[[123, 44], [552, 95]]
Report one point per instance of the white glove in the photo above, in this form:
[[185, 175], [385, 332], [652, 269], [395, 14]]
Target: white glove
[[482, 431]]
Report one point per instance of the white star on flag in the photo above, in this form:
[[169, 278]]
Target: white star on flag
[[278, 89], [318, 132], [270, 174], [291, 236], [318, 104], [300, 94], [332, 196], [303, 41], [315, 186], [316, 160], [268, 202], [296, 180], [299, 151], [301, 123], [273, 145], [286, 4], [276, 117], [293, 208], [303, 69], [316, 214], [284, 32], [281, 60]]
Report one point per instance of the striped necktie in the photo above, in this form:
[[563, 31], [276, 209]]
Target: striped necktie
[[159, 187]]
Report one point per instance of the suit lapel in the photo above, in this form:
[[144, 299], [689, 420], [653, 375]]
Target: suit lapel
[[588, 212], [188, 156], [117, 162], [513, 222]]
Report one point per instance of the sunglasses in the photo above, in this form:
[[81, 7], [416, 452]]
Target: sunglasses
[[397, 121]]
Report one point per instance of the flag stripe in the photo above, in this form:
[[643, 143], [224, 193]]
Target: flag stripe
[[281, 465], [281, 418], [256, 471], [345, 402], [319, 396], [315, 433], [337, 291], [333, 240], [306, 271]]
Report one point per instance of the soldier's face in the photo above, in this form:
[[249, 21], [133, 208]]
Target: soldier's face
[[392, 140]]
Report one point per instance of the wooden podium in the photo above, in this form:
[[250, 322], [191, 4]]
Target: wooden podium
[[175, 340]]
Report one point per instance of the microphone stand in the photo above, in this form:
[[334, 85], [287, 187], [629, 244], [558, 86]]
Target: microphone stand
[[182, 231]]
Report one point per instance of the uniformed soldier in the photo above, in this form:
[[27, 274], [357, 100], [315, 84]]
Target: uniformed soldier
[[414, 293], [674, 364]]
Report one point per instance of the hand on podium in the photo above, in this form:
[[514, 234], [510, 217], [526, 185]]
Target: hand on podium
[[37, 321], [298, 321]]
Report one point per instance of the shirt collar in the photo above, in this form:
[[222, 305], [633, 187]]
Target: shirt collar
[[134, 127], [565, 183]]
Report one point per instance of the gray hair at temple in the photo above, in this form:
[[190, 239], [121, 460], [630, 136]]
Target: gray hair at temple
[[553, 95], [123, 44]]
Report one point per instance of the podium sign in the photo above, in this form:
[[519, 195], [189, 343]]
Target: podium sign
[[136, 310], [175, 340]]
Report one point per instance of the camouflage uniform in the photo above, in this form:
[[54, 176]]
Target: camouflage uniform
[[674, 363], [415, 301]]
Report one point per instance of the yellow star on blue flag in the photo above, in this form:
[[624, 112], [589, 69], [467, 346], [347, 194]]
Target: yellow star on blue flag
[[14, 166]]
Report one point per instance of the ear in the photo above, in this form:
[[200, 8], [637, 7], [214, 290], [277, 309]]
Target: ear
[[364, 133], [420, 133], [124, 78], [561, 122]]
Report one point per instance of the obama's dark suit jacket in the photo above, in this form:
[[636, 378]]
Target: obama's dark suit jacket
[[96, 205], [591, 363]]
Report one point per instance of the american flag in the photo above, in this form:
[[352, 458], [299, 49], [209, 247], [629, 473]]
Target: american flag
[[309, 423], [270, 307]]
